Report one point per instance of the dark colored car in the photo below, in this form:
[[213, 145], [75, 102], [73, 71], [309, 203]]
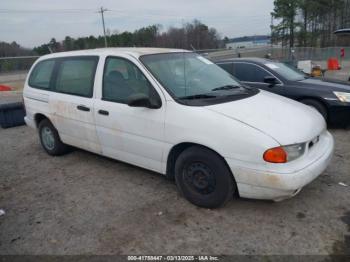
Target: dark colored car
[[330, 98]]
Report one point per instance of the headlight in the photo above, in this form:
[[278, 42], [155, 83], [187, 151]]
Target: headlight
[[294, 151], [342, 96], [283, 154]]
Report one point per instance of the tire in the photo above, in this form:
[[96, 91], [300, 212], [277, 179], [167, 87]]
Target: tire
[[203, 177], [317, 105], [50, 139]]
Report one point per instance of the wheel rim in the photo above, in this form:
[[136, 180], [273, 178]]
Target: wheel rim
[[199, 178], [48, 138]]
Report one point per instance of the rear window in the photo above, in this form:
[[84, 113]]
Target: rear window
[[76, 76], [41, 74]]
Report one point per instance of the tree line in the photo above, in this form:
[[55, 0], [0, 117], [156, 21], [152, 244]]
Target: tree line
[[310, 22], [14, 49], [193, 35]]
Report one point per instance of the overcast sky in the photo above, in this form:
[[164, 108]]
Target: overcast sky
[[34, 22]]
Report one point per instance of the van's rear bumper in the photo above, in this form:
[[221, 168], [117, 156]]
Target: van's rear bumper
[[258, 184]]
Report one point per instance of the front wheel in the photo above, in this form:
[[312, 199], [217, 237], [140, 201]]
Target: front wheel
[[50, 139], [203, 177]]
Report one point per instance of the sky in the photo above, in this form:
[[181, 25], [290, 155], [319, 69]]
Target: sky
[[34, 22]]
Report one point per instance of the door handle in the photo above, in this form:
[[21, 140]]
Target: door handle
[[83, 108], [103, 112]]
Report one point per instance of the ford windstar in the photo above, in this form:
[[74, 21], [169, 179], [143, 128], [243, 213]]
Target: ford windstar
[[178, 114]]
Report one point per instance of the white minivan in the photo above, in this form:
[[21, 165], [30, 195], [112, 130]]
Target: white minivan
[[177, 113]]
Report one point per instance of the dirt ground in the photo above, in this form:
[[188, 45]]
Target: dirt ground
[[82, 203]]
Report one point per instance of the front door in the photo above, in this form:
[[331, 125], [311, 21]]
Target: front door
[[131, 134]]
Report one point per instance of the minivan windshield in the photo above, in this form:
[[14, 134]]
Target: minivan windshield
[[288, 72], [188, 75]]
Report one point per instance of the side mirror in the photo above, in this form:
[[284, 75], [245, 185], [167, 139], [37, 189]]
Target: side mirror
[[271, 80], [141, 100]]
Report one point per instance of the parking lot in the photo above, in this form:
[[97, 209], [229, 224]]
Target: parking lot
[[82, 203]]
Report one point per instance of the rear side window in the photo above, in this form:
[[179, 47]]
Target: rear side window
[[249, 72], [76, 76], [41, 74]]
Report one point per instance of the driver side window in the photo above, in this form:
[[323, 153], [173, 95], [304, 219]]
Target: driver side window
[[122, 79], [249, 73]]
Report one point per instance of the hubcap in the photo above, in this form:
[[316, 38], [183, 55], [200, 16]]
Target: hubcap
[[199, 178], [48, 138]]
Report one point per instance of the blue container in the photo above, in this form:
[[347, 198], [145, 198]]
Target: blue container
[[12, 114]]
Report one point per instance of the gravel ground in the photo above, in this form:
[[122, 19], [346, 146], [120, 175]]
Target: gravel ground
[[82, 203]]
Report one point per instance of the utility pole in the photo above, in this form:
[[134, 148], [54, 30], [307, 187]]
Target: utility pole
[[184, 42], [101, 11], [271, 43]]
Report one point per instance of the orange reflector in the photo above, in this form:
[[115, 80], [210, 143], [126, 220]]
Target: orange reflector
[[275, 155]]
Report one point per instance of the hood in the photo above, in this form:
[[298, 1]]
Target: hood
[[285, 120], [325, 84]]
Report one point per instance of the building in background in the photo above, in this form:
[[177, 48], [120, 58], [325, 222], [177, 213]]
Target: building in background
[[249, 42]]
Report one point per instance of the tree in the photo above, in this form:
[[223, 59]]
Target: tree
[[13, 49], [310, 22], [54, 45], [287, 11], [68, 43], [194, 34]]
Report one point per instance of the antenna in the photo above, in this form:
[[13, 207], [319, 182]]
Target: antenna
[[101, 11]]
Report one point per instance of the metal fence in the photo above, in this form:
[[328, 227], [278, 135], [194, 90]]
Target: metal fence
[[17, 63], [16, 68], [282, 54]]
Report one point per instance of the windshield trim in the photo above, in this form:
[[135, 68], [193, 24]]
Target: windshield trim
[[199, 102]]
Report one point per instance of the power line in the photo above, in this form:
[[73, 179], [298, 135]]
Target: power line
[[44, 10]]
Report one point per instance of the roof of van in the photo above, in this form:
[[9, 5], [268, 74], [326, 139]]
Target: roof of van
[[134, 51]]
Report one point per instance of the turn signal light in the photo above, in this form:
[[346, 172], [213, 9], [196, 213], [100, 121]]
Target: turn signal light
[[275, 155]]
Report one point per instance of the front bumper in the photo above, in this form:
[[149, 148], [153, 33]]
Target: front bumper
[[262, 184]]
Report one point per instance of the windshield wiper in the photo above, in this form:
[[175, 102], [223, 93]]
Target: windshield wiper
[[227, 87], [200, 96]]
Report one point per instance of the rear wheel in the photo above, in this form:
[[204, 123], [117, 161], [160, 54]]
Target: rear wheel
[[316, 105], [203, 177], [50, 139]]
